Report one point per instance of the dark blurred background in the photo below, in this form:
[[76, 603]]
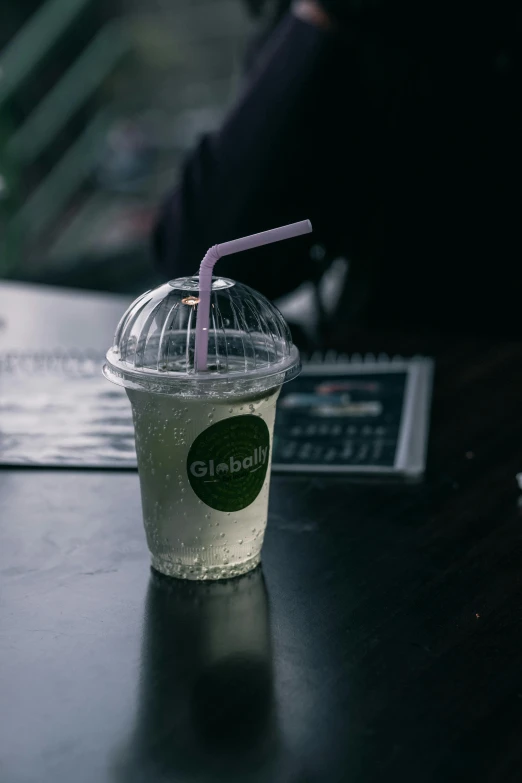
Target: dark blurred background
[[397, 133], [99, 101]]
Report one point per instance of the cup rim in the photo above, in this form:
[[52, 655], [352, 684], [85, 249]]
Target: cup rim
[[168, 382]]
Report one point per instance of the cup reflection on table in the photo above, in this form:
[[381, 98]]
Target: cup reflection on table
[[206, 700]]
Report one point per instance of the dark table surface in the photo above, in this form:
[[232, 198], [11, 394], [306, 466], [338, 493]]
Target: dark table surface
[[381, 640]]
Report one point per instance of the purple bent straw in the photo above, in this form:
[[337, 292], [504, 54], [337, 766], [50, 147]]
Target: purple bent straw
[[205, 277]]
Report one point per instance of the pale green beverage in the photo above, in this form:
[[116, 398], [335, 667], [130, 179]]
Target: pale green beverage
[[187, 535]]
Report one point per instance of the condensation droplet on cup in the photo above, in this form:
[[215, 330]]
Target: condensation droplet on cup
[[240, 541], [222, 535]]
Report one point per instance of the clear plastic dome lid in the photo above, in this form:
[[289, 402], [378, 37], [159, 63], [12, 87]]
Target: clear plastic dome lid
[[249, 343]]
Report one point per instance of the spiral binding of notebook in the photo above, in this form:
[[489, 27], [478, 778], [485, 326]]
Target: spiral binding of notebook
[[62, 362], [358, 414]]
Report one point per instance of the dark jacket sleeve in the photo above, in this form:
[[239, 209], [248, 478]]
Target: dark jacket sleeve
[[257, 172]]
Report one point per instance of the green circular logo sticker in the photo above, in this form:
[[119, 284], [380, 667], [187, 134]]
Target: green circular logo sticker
[[227, 462]]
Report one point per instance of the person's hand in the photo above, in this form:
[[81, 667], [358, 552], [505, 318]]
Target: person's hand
[[336, 13], [312, 12]]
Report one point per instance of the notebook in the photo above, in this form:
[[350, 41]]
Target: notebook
[[355, 415], [358, 415]]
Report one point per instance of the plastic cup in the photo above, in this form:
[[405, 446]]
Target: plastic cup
[[203, 439], [200, 521]]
